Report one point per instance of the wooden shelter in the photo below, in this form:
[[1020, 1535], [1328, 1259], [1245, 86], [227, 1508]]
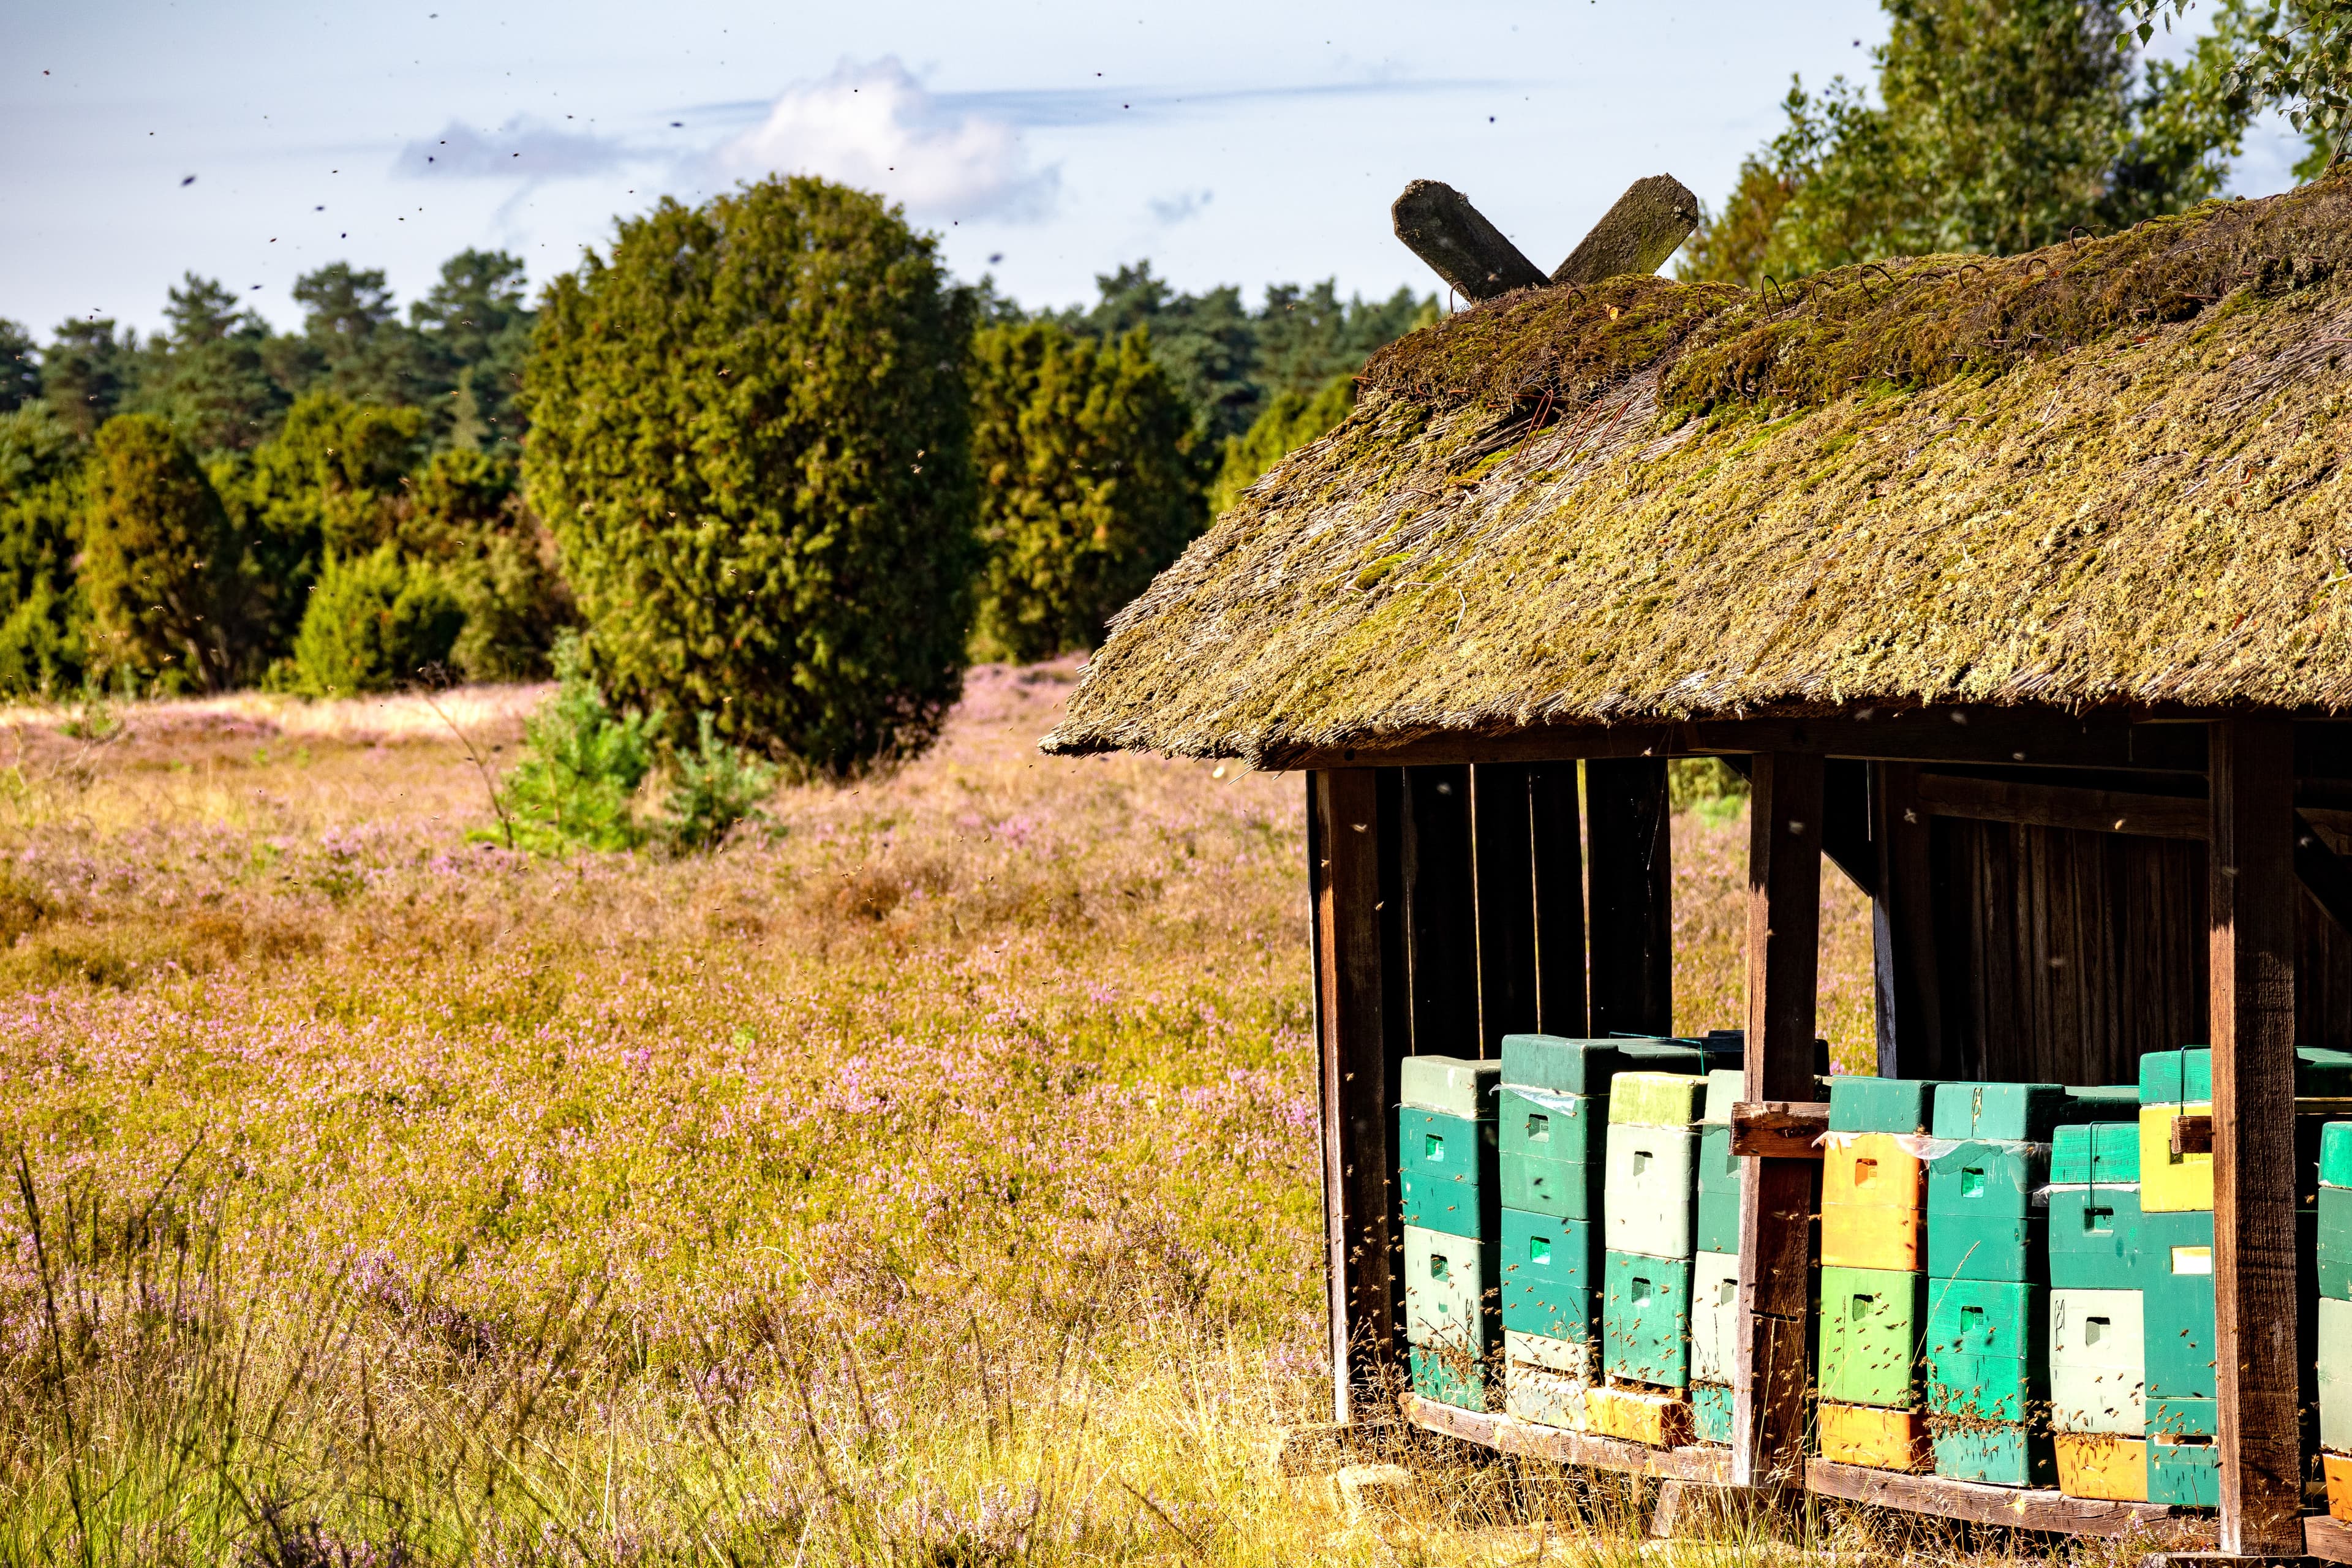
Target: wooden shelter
[[2022, 588]]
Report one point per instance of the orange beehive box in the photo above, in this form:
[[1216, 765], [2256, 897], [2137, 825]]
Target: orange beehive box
[[1638, 1416], [1882, 1439], [2338, 1469], [2096, 1465], [1871, 1168], [1870, 1236]]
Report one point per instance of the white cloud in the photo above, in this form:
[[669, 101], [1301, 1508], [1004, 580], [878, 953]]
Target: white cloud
[[521, 149], [1183, 205], [876, 127]]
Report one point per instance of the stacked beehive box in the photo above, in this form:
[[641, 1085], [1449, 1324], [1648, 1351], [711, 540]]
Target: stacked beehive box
[[1715, 1265], [1451, 1194], [1649, 1231], [1553, 1117], [2098, 1347], [2335, 1314], [1872, 1220], [2176, 1280]]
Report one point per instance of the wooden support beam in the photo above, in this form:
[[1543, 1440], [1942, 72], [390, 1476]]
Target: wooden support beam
[[2325, 875], [1440, 916], [1633, 938], [1780, 1128], [1903, 929], [1647, 224], [1438, 224], [1557, 829], [2252, 914], [2057, 805], [1501, 838], [1359, 1087], [1705, 1465], [1775, 1202], [2018, 1507], [1847, 831]]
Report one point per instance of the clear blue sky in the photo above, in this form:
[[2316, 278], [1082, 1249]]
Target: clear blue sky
[[1047, 141]]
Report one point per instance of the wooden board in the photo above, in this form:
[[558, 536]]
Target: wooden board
[[1632, 873], [1780, 1128], [1510, 1435], [2021, 1508], [2330, 1540], [2052, 806], [1903, 929], [2257, 1372]]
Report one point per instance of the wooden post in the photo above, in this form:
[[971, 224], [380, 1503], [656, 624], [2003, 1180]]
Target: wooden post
[[1633, 896], [2252, 898], [1903, 933], [1502, 835], [1359, 1083], [1648, 225], [1559, 899], [1438, 224], [1776, 1200]]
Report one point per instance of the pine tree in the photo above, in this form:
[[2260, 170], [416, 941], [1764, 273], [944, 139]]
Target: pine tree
[[42, 611], [1289, 421], [158, 560]]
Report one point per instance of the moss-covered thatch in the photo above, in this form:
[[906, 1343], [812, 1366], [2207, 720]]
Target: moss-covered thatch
[[2112, 472]]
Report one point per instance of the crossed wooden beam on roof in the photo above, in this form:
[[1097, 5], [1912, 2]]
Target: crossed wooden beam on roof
[[1440, 226]]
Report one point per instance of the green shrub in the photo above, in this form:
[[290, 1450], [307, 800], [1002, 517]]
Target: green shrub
[[42, 611], [750, 435], [1088, 483], [159, 560], [1290, 420], [466, 514], [712, 787], [374, 622], [582, 763]]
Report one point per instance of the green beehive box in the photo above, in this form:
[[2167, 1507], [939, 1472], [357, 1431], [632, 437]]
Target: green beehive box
[[1577, 1358], [1578, 1067], [2000, 1319], [2335, 1374], [1448, 1375], [2185, 1475], [1446, 1172], [1711, 1409], [1646, 1319], [2175, 1282], [1547, 1274], [2004, 1455], [2336, 1154], [1650, 1194], [2182, 1419], [1655, 1098], [1981, 1178], [1454, 1085], [1987, 1247], [2335, 1226], [1533, 1392], [1983, 1388], [1713, 1317], [1719, 1168], [2321, 1070], [1880, 1104], [1725, 1087], [2094, 1238], [2103, 1151], [2176, 1077], [2069, 1156], [2003, 1112], [1453, 1290], [2102, 1102], [1536, 1123], [1718, 1222], [2097, 1361], [1870, 1324], [1566, 1189]]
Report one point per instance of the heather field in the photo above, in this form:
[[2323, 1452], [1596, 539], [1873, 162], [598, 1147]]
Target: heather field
[[926, 1176]]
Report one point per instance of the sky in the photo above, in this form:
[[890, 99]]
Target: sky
[[1046, 142]]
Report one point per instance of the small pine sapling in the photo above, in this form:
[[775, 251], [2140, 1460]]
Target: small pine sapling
[[712, 787], [582, 764]]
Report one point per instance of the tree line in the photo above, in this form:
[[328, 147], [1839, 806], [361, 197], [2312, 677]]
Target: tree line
[[335, 508]]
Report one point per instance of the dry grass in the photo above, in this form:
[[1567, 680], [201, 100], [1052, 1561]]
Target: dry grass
[[927, 1177]]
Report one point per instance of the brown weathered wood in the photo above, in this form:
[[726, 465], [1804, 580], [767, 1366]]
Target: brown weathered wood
[[1780, 1128], [1557, 833], [1511, 1436], [2324, 874], [2192, 1135], [2251, 904], [1631, 879], [1359, 1086], [1647, 224], [2056, 806], [1910, 1005], [1501, 838], [1847, 831], [1784, 910], [1440, 915], [2330, 1540], [1438, 224], [2021, 1508], [2015, 737]]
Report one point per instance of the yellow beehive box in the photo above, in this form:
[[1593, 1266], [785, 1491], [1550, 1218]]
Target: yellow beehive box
[[1638, 1416], [1868, 1235], [1871, 1168], [2170, 1183], [2338, 1471], [1866, 1435], [2096, 1465]]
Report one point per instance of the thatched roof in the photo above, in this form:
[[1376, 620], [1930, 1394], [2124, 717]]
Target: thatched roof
[[2112, 472]]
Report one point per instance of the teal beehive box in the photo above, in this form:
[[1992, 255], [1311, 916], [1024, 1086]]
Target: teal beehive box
[[2004, 1456], [1448, 1375], [2335, 1242], [1725, 1087], [1567, 1066], [1988, 1247], [1446, 1171], [1646, 1319], [1870, 1329], [2069, 1156], [1880, 1104], [2176, 1280], [1550, 1275], [1456, 1086], [1967, 1388], [1551, 1149], [2321, 1070], [2182, 1419], [1985, 1178], [2115, 1153], [1718, 1192], [2336, 1154], [2094, 1237], [2002, 1318], [2185, 1475], [2003, 1112], [2176, 1077], [1453, 1290], [2097, 1360], [1711, 1407], [2102, 1102]]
